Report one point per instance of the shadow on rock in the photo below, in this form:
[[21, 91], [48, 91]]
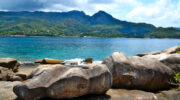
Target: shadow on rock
[[86, 97]]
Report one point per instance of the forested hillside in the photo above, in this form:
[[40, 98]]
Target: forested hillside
[[77, 23]]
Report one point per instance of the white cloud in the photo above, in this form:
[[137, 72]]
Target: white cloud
[[114, 7], [161, 13]]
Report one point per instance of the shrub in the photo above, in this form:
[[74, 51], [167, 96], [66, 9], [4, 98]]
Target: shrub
[[177, 51], [177, 78]]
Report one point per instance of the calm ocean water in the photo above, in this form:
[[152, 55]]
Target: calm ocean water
[[27, 49]]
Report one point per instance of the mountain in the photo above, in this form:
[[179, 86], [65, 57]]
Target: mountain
[[74, 23]]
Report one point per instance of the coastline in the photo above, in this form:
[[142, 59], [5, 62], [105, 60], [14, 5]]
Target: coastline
[[85, 37], [49, 72]]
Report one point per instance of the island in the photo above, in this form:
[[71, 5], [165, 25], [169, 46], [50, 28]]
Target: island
[[78, 24]]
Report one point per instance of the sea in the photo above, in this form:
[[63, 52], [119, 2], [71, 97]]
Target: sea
[[28, 49]]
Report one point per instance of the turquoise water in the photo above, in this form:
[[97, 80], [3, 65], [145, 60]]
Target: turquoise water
[[27, 49]]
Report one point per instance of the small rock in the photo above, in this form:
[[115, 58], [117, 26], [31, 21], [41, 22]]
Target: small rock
[[88, 60]]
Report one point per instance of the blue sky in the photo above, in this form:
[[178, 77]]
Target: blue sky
[[165, 13]]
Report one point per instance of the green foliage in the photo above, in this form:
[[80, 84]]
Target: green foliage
[[165, 33], [75, 23], [177, 78], [177, 51]]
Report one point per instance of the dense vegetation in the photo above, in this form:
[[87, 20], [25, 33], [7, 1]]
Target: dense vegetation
[[77, 23], [165, 33]]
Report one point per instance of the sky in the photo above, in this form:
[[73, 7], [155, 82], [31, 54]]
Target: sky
[[161, 13]]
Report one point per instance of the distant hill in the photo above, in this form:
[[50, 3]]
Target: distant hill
[[76, 23], [178, 28], [165, 33]]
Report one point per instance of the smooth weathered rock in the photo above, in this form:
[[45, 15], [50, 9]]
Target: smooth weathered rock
[[49, 61], [6, 93], [171, 60], [139, 73], [9, 63], [59, 81], [149, 53], [169, 57], [6, 90], [172, 50], [168, 95]]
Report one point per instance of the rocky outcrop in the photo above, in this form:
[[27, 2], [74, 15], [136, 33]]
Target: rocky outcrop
[[149, 53], [171, 60], [9, 63], [59, 81], [139, 72], [169, 57], [171, 50]]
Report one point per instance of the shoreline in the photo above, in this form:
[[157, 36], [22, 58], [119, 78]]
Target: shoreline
[[37, 76], [23, 36]]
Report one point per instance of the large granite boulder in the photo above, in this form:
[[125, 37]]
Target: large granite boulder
[[171, 60], [9, 63], [139, 72], [59, 81], [169, 57]]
